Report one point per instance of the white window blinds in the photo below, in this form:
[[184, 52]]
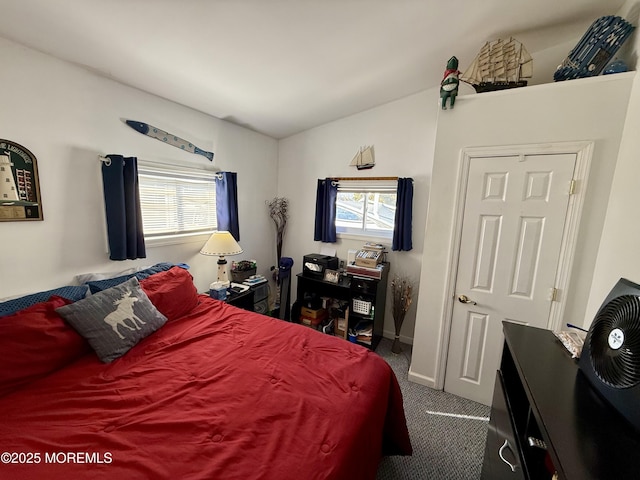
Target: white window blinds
[[176, 201]]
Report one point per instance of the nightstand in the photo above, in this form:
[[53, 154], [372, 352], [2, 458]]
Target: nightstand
[[260, 297], [242, 300]]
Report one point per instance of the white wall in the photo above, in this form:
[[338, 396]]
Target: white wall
[[67, 116], [619, 254], [402, 133], [587, 109]]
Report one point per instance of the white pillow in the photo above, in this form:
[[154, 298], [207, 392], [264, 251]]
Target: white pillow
[[92, 277]]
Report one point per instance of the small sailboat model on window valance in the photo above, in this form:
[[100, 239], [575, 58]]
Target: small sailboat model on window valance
[[364, 159]]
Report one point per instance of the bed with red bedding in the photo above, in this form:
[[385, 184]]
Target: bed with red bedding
[[215, 393]]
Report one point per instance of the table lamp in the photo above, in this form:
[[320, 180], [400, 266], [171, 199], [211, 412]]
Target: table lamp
[[221, 243]]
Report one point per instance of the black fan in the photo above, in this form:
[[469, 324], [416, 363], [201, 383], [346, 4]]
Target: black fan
[[610, 357], [615, 342]]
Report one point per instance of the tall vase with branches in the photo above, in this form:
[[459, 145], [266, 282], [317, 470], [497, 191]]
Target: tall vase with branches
[[279, 213], [402, 297]]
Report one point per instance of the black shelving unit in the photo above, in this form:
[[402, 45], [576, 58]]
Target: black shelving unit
[[359, 292]]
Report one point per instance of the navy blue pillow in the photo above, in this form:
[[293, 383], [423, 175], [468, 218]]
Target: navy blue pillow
[[70, 292], [99, 285]]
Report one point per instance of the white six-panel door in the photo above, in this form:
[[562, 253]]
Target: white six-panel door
[[512, 231]]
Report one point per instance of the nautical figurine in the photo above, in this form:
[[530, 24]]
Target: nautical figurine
[[617, 66], [364, 159], [449, 84], [501, 64]]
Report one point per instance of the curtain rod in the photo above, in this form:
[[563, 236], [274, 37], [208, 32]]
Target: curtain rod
[[217, 175], [362, 178]]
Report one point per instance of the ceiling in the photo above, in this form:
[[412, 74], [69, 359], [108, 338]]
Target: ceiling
[[283, 66]]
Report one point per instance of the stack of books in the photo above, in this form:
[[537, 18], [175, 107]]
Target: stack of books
[[375, 272], [364, 332], [254, 280], [370, 255]]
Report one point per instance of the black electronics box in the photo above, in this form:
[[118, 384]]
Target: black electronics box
[[314, 264]]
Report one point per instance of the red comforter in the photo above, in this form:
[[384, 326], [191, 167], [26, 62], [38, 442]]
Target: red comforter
[[218, 394]]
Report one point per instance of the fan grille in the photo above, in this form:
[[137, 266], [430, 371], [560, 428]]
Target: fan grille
[[617, 366]]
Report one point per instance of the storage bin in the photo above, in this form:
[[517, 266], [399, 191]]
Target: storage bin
[[361, 307]]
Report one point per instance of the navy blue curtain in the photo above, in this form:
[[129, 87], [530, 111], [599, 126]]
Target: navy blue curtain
[[404, 212], [325, 227], [227, 203], [122, 204]]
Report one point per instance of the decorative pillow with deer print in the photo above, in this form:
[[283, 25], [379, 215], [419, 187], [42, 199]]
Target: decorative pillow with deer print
[[115, 319]]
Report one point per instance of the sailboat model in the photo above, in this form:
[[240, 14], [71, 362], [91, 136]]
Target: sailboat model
[[501, 64], [363, 159]]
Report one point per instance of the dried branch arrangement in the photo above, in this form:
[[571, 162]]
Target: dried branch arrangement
[[401, 299], [279, 213]]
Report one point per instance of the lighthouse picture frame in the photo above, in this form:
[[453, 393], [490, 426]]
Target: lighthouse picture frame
[[19, 184]]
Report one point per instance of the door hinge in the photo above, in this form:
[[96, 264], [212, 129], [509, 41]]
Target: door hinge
[[572, 187], [554, 294]]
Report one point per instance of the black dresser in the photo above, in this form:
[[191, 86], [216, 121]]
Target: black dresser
[[541, 394]]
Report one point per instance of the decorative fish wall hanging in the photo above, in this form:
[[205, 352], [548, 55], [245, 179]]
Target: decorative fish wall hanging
[[165, 137]]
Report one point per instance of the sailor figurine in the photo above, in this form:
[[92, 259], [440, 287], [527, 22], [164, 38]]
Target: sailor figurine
[[449, 84]]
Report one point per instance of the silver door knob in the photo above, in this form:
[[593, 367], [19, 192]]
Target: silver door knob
[[465, 299]]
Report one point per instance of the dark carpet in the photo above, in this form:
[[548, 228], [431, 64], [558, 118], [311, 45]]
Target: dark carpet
[[444, 447]]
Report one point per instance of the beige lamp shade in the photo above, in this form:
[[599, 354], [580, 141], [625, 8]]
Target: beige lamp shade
[[220, 244]]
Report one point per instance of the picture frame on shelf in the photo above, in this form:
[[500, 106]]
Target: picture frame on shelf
[[331, 276]]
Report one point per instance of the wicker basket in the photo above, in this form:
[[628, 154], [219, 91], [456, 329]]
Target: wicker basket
[[239, 276]]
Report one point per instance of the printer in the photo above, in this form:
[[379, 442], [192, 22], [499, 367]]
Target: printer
[[314, 264]]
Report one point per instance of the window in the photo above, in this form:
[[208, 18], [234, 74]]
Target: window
[[366, 208], [176, 202]]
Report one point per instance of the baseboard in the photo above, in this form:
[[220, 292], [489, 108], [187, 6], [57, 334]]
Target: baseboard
[[421, 379], [392, 335]]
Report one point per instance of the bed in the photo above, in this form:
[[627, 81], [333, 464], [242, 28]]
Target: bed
[[214, 392]]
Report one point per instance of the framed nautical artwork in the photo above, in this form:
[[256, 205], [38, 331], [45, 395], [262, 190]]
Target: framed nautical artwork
[[19, 184]]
